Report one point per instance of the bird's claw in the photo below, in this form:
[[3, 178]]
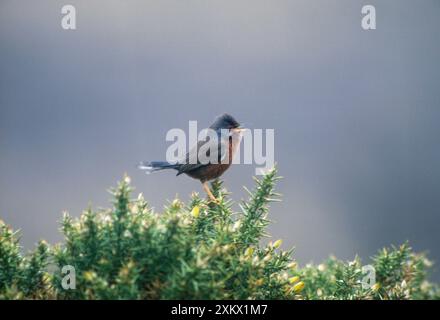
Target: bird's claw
[[214, 200]]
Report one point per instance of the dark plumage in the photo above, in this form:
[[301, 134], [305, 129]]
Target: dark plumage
[[205, 171]]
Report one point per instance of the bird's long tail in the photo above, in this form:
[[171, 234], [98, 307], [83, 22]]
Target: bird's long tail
[[153, 166]]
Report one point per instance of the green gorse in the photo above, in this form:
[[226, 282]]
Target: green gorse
[[200, 250]]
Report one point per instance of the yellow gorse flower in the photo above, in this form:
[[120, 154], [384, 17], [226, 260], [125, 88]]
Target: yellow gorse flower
[[89, 275], [298, 287], [375, 287], [294, 279], [277, 243], [249, 252], [195, 212]]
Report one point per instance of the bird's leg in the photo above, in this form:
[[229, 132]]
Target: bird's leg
[[208, 191]]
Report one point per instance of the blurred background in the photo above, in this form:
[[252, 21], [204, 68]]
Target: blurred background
[[356, 113]]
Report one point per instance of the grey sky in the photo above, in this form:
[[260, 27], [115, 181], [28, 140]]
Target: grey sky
[[355, 112]]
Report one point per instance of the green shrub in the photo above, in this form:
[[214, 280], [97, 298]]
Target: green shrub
[[399, 274], [196, 251]]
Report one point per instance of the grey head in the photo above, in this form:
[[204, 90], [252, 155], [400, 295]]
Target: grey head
[[225, 121]]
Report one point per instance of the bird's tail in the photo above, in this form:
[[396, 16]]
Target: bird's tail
[[153, 166]]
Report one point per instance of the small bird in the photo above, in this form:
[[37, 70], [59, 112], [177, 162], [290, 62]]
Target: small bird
[[226, 145]]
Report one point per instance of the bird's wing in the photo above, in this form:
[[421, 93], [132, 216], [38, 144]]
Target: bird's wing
[[216, 149]]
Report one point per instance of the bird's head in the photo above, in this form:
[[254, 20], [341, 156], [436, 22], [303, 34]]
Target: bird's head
[[225, 121]]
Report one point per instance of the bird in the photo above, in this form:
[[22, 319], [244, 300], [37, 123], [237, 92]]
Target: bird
[[229, 135]]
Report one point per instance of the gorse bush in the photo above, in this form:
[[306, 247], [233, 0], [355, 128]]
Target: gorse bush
[[399, 274], [22, 277], [197, 251]]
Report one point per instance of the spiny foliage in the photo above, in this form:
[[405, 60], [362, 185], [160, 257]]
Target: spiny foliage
[[196, 251], [399, 273], [22, 277]]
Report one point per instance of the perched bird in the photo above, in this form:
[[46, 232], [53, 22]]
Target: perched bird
[[221, 150]]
